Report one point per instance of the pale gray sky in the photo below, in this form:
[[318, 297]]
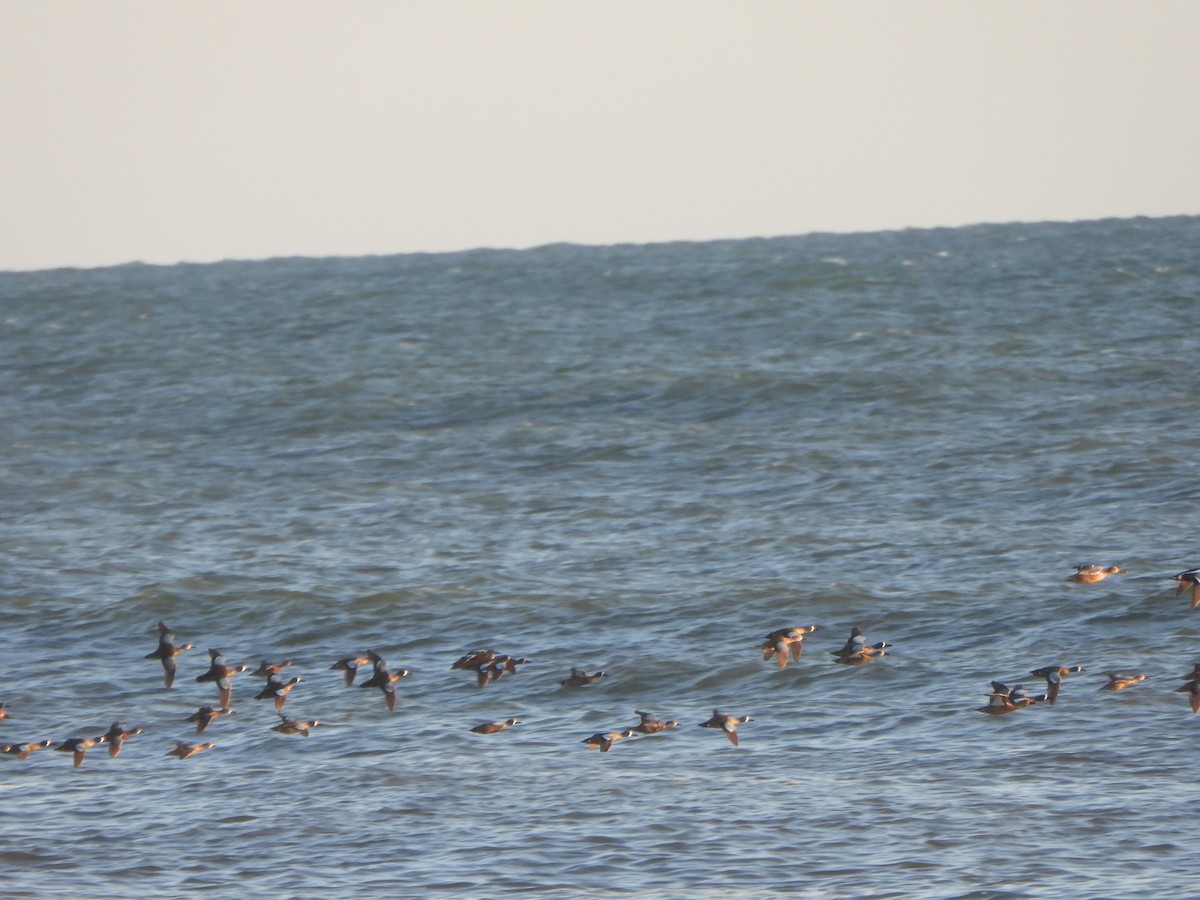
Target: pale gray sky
[[162, 131]]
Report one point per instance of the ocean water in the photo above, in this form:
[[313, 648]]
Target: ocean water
[[636, 459]]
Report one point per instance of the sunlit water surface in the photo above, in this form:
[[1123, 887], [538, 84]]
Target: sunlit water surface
[[638, 459]]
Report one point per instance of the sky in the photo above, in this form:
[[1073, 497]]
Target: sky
[[160, 132]]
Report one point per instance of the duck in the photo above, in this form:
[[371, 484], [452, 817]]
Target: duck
[[1118, 681], [22, 751], [166, 651], [854, 643], [998, 704], [1192, 689], [1054, 676], [206, 714], [1090, 573], [785, 642], [388, 685], [277, 690], [474, 659], [506, 664], [1004, 699], [267, 668], [79, 747], [220, 671], [294, 726], [652, 724], [1021, 697], [3, 711], [866, 654], [384, 678], [728, 724], [489, 666], [493, 727], [856, 650], [579, 678], [1189, 581], [184, 749], [116, 736], [486, 673], [349, 667], [603, 741]]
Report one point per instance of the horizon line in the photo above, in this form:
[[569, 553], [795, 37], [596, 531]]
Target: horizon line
[[496, 248]]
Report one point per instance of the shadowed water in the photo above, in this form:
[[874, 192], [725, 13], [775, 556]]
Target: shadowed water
[[639, 459]]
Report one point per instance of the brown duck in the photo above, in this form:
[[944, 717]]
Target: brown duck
[[1089, 573], [220, 671], [1054, 676], [384, 678], [579, 678], [1118, 681], [1192, 689], [652, 724], [79, 747], [785, 642], [1004, 699], [166, 651], [184, 749], [1189, 581], [856, 650], [267, 668], [295, 726], [116, 736], [349, 667], [727, 724], [206, 714], [277, 690], [22, 751], [603, 741], [474, 659]]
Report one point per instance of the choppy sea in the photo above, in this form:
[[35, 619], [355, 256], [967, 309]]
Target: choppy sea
[[635, 459]]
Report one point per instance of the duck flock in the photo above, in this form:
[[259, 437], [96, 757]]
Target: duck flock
[[783, 644]]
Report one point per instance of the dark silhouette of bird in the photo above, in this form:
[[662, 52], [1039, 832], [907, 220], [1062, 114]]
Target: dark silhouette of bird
[[166, 651]]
